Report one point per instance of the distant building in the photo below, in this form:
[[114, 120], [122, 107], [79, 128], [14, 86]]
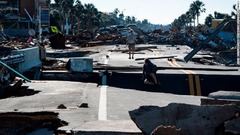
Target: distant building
[[18, 16], [216, 22], [231, 27]]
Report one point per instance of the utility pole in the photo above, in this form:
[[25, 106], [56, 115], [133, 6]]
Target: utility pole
[[238, 34], [40, 24], [67, 26]]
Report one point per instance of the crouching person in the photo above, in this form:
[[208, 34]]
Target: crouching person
[[149, 73]]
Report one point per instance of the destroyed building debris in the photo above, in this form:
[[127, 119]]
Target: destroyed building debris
[[30, 123], [224, 41], [78, 58]]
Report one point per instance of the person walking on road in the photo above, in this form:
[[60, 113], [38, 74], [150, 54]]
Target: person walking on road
[[149, 73], [131, 42]]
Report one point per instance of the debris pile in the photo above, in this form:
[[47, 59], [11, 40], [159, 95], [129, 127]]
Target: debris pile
[[57, 41], [3, 37], [53, 64], [9, 61], [221, 46], [30, 123], [16, 43], [184, 119]]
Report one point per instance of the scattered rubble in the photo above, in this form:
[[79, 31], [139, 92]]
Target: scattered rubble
[[83, 105], [168, 130], [53, 64], [214, 101], [9, 59], [61, 106], [30, 123], [57, 41], [221, 47]]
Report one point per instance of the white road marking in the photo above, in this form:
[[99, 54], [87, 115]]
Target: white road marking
[[102, 111]]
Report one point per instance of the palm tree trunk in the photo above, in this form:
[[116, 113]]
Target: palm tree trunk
[[197, 20], [78, 27], [89, 23], [194, 21]]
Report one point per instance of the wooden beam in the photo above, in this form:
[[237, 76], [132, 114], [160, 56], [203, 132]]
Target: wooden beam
[[160, 57], [138, 68]]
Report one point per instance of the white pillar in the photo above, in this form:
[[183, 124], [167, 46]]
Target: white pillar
[[67, 26], [238, 34], [40, 24]]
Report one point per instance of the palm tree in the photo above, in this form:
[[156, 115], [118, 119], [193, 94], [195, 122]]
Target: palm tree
[[145, 21], [188, 18], [176, 23], [91, 16], [67, 5], [56, 14], [65, 8], [197, 8], [68, 9], [78, 14], [121, 16], [57, 2], [128, 19], [133, 20], [208, 20], [13, 2], [115, 12], [183, 19], [218, 15], [233, 14], [55, 17], [192, 15]]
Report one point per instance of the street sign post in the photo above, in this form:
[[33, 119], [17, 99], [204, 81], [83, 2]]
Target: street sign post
[[238, 34]]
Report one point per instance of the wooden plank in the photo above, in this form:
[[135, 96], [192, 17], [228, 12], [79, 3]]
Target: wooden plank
[[139, 68], [160, 57]]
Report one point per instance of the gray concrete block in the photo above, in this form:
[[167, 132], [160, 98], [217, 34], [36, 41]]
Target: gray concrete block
[[31, 59], [81, 64], [117, 127], [225, 95]]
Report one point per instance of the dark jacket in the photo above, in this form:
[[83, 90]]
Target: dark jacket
[[148, 69]]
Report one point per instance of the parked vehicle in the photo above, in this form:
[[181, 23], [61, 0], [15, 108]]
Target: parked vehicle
[[104, 30]]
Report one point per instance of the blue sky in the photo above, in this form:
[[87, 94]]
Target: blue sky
[[160, 11]]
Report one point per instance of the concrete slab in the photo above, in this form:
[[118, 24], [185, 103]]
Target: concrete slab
[[108, 127], [114, 102], [48, 95], [195, 81], [119, 58], [81, 64], [234, 95]]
